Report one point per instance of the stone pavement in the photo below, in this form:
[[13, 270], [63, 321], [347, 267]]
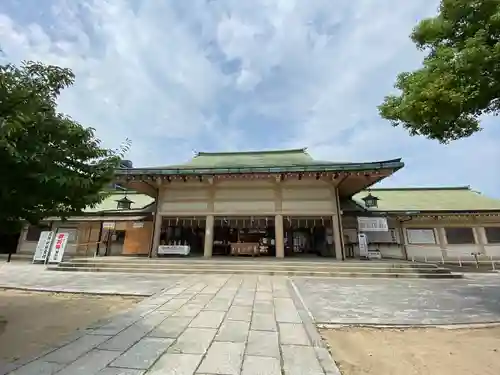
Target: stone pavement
[[23, 275], [209, 324], [474, 299]]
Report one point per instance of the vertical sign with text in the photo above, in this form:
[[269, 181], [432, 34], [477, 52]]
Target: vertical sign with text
[[43, 246], [363, 245], [57, 251]]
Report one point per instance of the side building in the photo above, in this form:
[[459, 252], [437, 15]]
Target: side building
[[281, 204]]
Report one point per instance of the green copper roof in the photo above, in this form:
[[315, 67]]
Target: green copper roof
[[139, 201], [277, 161], [429, 199], [250, 159]]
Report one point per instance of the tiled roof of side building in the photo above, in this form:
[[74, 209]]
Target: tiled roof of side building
[[430, 199], [139, 202]]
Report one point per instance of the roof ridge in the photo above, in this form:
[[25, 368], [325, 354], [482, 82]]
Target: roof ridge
[[302, 150], [466, 187]]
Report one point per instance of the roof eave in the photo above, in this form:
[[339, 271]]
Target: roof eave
[[431, 212], [394, 164]]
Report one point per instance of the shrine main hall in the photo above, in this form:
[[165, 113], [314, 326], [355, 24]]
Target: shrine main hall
[[278, 203]]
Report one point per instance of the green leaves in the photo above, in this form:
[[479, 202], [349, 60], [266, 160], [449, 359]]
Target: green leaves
[[460, 77], [49, 164]]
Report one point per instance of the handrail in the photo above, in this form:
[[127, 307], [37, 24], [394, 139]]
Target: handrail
[[456, 256]]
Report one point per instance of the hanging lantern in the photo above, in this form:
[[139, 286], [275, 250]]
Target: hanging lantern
[[370, 200], [124, 203]]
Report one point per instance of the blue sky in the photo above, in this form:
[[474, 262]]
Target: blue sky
[[218, 75]]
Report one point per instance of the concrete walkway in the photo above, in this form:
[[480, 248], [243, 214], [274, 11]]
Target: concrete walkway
[[24, 275], [473, 299], [230, 325]]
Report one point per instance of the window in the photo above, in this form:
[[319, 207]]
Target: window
[[460, 236], [492, 234], [421, 236], [33, 233]]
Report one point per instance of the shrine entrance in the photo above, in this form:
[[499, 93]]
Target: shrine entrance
[[182, 236], [251, 236], [308, 236]]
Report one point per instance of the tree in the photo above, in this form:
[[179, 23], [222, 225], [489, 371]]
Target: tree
[[460, 77], [50, 165]]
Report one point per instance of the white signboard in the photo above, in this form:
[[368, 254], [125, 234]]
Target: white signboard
[[108, 225], [138, 224], [58, 247], [372, 224], [43, 246], [363, 245], [173, 249]]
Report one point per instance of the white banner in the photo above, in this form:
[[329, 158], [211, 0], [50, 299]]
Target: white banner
[[363, 245], [372, 224], [174, 249], [57, 251], [43, 246]]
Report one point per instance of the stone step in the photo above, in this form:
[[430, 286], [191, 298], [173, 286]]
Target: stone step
[[246, 261], [185, 271], [319, 267]]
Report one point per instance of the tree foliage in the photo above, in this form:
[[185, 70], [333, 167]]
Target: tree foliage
[[50, 165], [460, 77]]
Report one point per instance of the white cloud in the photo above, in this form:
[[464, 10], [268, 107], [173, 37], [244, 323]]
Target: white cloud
[[224, 74]]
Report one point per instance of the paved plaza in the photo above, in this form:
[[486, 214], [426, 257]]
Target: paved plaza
[[238, 324], [473, 299], [231, 325]]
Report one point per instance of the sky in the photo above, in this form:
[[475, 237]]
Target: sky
[[178, 77]]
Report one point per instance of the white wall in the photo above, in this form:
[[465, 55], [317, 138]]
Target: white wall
[[251, 197], [442, 249], [492, 250], [421, 252]]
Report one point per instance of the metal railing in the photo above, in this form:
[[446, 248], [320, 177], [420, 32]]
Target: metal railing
[[461, 259]]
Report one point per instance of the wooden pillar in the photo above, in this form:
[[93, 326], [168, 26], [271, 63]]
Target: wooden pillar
[[403, 240], [99, 236], [337, 237], [209, 236], [480, 238], [279, 236], [441, 235], [338, 232], [158, 219]]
